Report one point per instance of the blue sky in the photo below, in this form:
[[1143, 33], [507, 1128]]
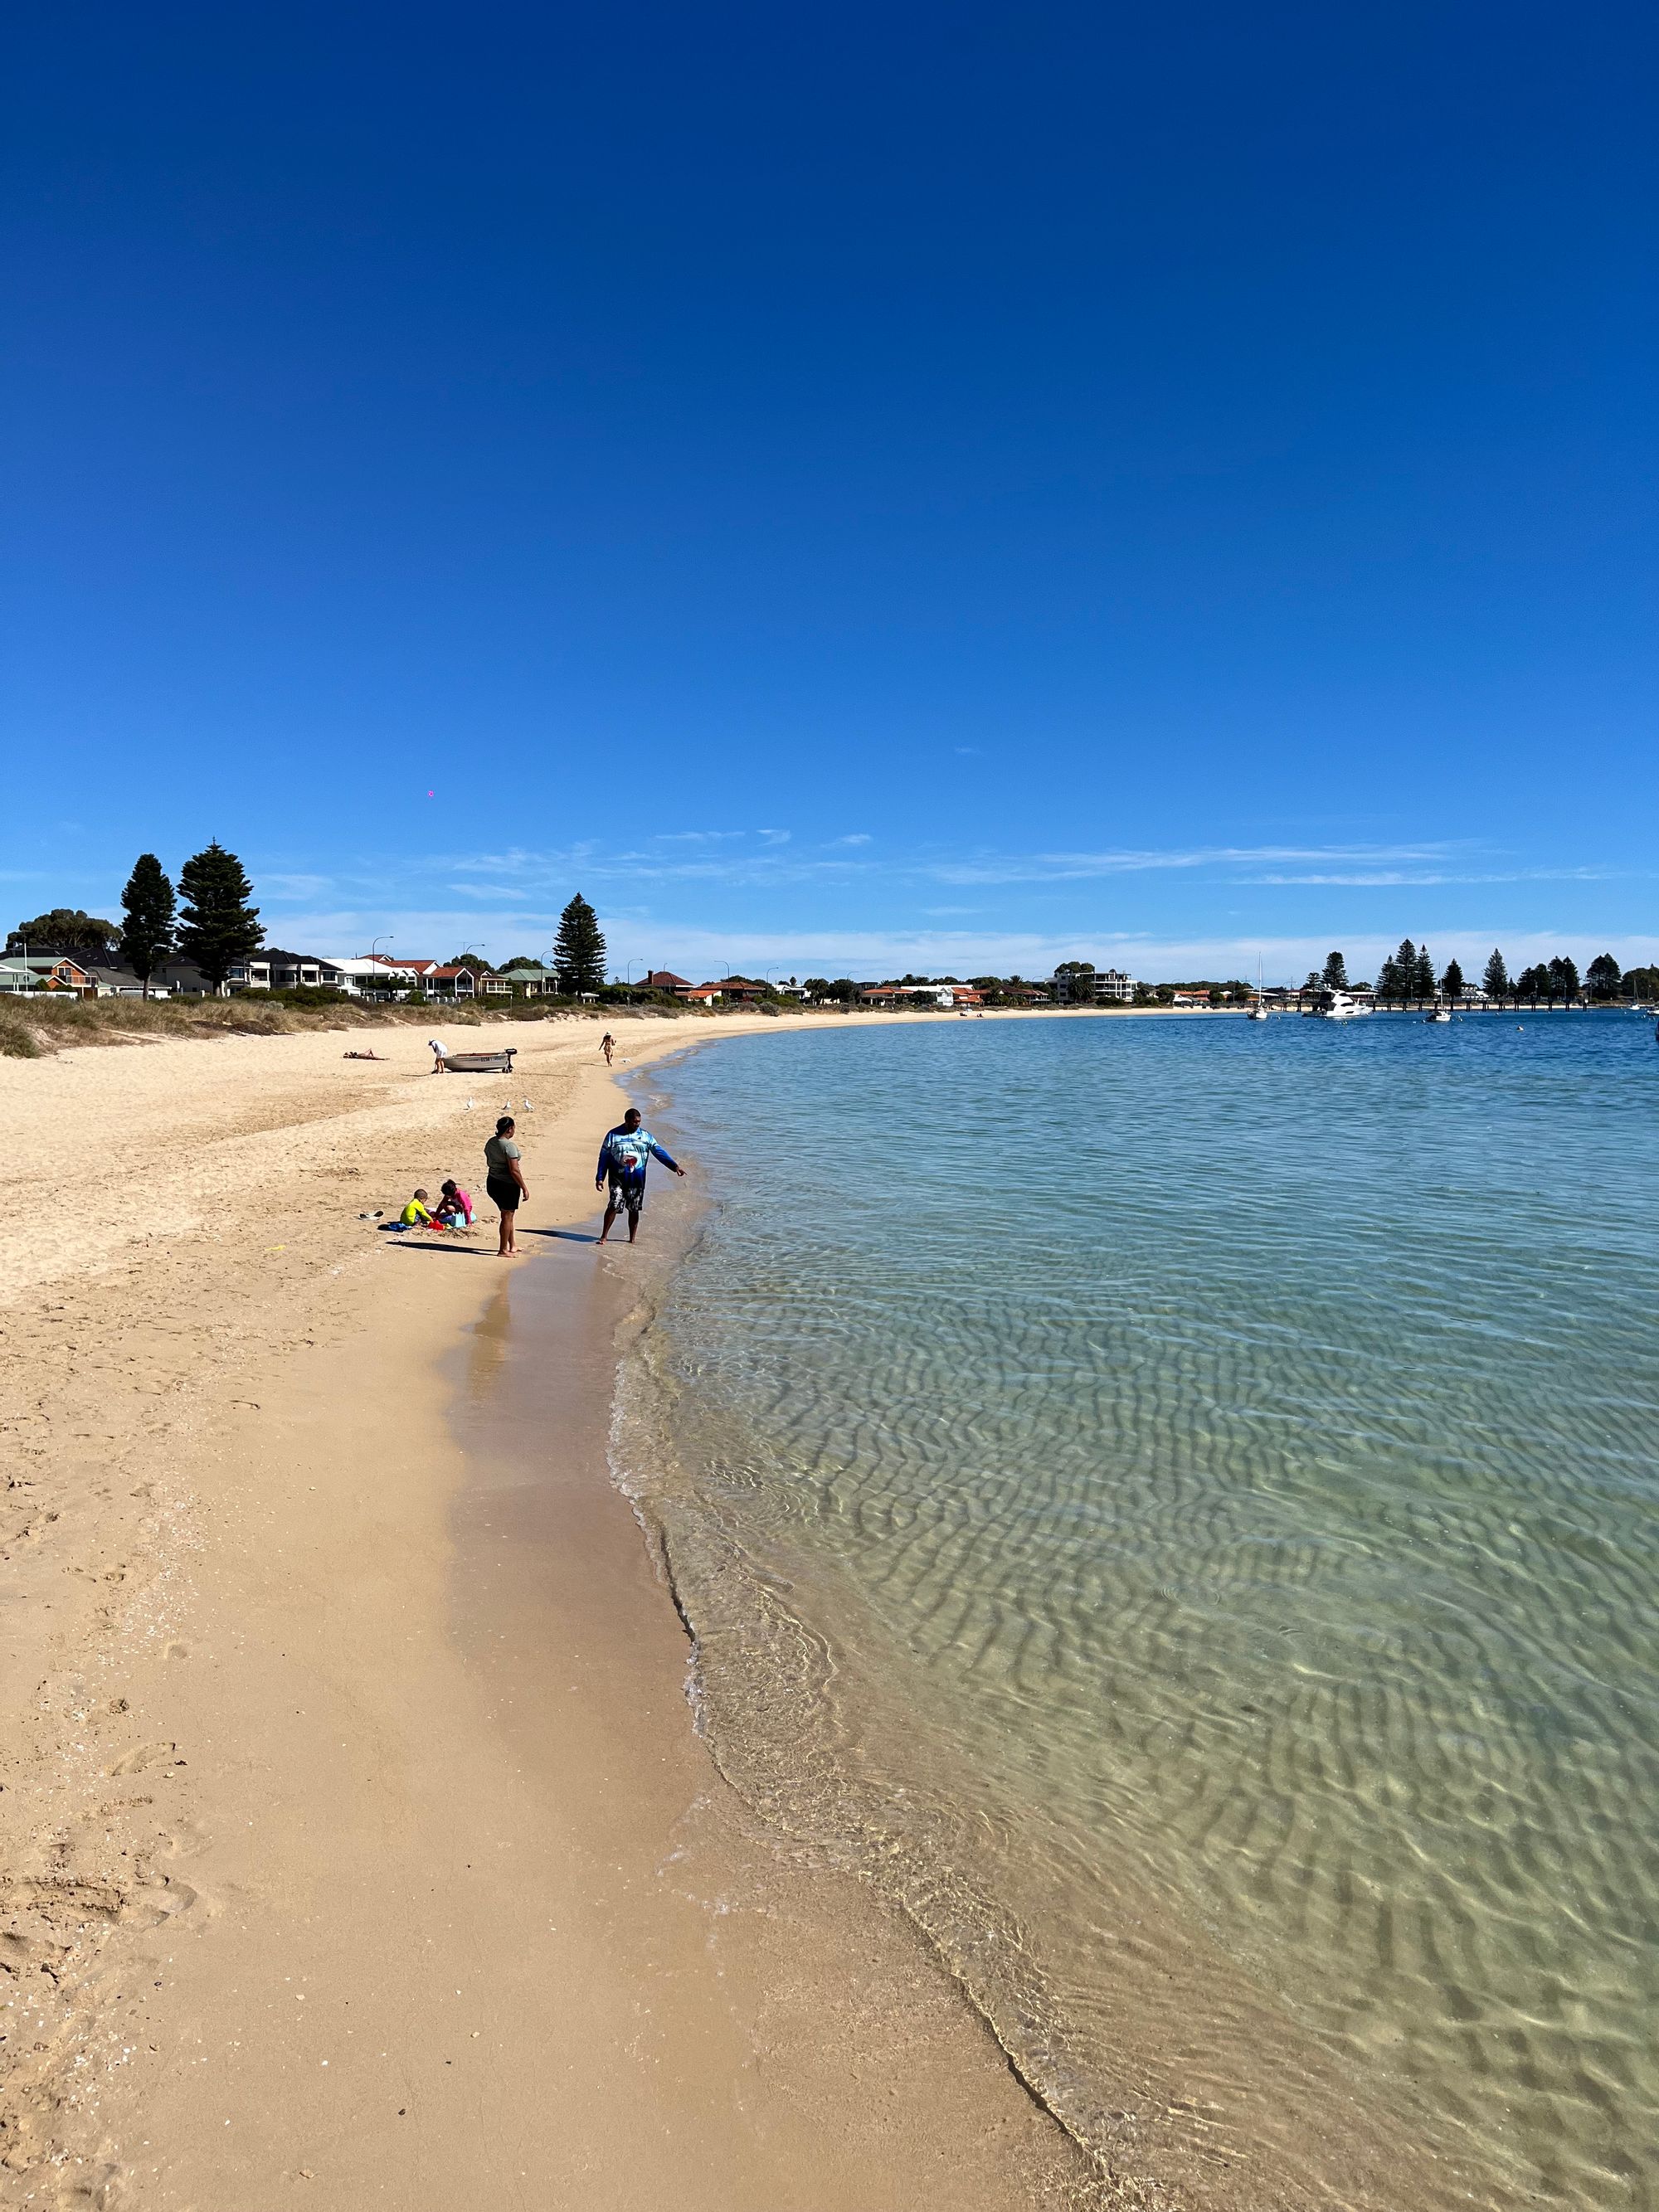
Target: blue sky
[[930, 487]]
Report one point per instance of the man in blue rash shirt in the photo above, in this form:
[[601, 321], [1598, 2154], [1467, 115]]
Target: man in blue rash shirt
[[623, 1156]]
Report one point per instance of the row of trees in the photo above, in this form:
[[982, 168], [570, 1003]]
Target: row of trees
[[1407, 977], [210, 919]]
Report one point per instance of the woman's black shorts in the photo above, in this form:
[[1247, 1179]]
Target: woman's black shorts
[[504, 1194]]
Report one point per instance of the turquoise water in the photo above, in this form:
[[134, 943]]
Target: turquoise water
[[1174, 1501]]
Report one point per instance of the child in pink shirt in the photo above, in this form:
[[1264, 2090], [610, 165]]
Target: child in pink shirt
[[455, 1206]]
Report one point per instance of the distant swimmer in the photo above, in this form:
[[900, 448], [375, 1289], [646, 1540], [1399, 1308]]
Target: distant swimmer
[[607, 1046], [626, 1152]]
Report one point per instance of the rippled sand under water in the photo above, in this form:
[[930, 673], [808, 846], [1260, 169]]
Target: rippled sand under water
[[1174, 1501]]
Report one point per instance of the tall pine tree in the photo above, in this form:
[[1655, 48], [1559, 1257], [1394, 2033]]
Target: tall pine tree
[[1451, 983], [1335, 977], [1496, 981], [218, 928], [147, 932], [1398, 977], [579, 949], [1564, 979], [1602, 976], [1423, 981]]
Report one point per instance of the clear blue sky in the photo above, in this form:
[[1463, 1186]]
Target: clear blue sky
[[847, 488]]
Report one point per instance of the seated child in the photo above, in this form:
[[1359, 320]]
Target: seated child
[[415, 1215], [454, 1207]]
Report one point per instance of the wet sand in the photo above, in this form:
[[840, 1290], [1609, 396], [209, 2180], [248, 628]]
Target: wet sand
[[358, 1844]]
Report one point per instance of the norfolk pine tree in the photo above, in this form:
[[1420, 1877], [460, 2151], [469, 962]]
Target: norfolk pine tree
[[1496, 981], [1397, 977], [1602, 976], [218, 928], [147, 932], [1335, 977], [1451, 983], [579, 949]]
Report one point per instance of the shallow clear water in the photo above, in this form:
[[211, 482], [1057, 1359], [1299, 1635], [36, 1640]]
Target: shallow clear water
[[1175, 1499]]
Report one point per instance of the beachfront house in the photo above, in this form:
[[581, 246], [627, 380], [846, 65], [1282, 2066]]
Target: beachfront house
[[389, 978], [66, 975], [85, 978], [664, 980], [1189, 998], [441, 980], [738, 989], [525, 983], [43, 971], [271, 968], [1080, 983], [943, 995], [110, 982]]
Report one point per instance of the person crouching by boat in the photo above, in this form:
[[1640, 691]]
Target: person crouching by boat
[[454, 1207], [505, 1181], [626, 1152], [440, 1054]]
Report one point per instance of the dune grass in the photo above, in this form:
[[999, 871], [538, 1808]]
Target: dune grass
[[47, 1022]]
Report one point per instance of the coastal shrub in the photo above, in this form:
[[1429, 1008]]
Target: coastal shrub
[[47, 1021], [17, 1039]]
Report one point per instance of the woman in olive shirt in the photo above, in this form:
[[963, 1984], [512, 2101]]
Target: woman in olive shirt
[[505, 1181]]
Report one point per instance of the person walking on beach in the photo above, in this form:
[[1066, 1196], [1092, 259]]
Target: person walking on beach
[[607, 1046], [505, 1181], [627, 1150]]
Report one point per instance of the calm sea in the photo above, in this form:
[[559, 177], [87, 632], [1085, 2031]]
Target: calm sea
[[1173, 1502]]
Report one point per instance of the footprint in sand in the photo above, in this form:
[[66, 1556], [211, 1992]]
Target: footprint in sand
[[147, 1755]]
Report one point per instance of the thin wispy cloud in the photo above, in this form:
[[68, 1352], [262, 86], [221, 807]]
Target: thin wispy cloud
[[1392, 878], [1077, 867]]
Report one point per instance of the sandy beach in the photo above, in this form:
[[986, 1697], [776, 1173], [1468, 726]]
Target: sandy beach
[[358, 1845]]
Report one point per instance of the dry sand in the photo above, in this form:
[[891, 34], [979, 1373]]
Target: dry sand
[[357, 1845]]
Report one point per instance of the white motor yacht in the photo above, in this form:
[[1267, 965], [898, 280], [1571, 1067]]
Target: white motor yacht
[[1335, 1007], [1438, 1015]]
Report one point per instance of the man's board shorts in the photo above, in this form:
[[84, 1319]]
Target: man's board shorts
[[627, 1192], [504, 1194]]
